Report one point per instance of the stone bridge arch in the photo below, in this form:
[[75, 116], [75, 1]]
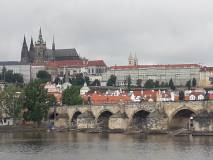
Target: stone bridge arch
[[180, 118], [73, 119], [138, 119], [102, 119]]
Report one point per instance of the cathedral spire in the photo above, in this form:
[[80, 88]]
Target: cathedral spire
[[40, 38], [135, 60], [24, 52], [24, 42], [31, 44], [130, 60]]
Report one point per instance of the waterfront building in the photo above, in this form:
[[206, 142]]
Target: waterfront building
[[73, 67], [180, 73]]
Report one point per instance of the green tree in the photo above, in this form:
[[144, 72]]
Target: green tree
[[171, 84], [51, 100], [129, 82], [43, 76], [157, 84], [181, 96], [78, 80], [9, 101], [57, 80], [139, 82], [188, 84], [96, 82], [194, 82], [149, 84], [10, 77], [164, 85], [35, 102], [3, 72], [87, 80], [112, 81], [71, 96]]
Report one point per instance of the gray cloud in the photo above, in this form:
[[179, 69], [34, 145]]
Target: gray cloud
[[159, 31]]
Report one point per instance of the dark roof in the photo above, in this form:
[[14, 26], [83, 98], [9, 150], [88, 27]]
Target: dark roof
[[69, 53], [61, 54], [2, 63]]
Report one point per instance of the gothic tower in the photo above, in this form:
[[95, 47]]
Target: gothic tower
[[31, 51], [40, 48], [24, 52], [130, 60], [135, 60]]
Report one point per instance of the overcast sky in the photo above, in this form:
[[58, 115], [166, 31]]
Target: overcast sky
[[158, 31]]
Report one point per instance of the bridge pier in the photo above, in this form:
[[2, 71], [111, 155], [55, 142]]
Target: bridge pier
[[118, 121]]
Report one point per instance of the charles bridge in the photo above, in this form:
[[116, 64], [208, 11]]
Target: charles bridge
[[149, 116]]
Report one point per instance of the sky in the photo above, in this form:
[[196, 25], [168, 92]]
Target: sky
[[157, 31]]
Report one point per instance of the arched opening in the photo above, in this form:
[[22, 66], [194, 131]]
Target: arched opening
[[182, 119], [139, 120], [103, 120], [74, 119]]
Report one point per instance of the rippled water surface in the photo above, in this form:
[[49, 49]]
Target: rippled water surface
[[80, 146]]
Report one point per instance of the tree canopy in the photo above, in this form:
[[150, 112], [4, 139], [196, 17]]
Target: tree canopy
[[96, 82], [194, 82], [188, 84], [71, 96], [112, 81], [10, 77], [139, 82], [10, 103], [171, 84], [129, 82], [43, 76], [35, 102]]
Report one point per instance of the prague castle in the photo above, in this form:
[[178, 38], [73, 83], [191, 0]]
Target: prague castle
[[38, 53]]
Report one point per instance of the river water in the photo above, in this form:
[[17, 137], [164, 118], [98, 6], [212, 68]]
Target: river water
[[80, 146]]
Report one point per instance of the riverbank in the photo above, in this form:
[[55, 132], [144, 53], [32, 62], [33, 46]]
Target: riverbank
[[9, 129], [5, 129]]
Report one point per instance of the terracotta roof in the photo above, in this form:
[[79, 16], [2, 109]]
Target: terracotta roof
[[206, 69], [96, 63], [157, 66]]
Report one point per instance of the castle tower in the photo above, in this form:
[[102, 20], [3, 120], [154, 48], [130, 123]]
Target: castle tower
[[135, 60], [31, 51], [24, 52], [40, 48], [130, 60]]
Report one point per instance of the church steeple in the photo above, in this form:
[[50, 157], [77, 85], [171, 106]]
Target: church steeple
[[24, 52], [53, 44], [31, 44], [40, 38], [135, 60], [31, 51], [131, 60]]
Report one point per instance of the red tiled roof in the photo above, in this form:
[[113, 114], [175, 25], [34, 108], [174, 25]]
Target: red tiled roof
[[157, 66], [75, 63], [206, 69], [96, 63]]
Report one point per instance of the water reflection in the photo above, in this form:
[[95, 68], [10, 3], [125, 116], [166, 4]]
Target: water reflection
[[66, 145]]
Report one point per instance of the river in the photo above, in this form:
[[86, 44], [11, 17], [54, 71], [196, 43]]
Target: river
[[80, 146]]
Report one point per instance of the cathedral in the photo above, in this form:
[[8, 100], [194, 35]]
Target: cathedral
[[38, 53]]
